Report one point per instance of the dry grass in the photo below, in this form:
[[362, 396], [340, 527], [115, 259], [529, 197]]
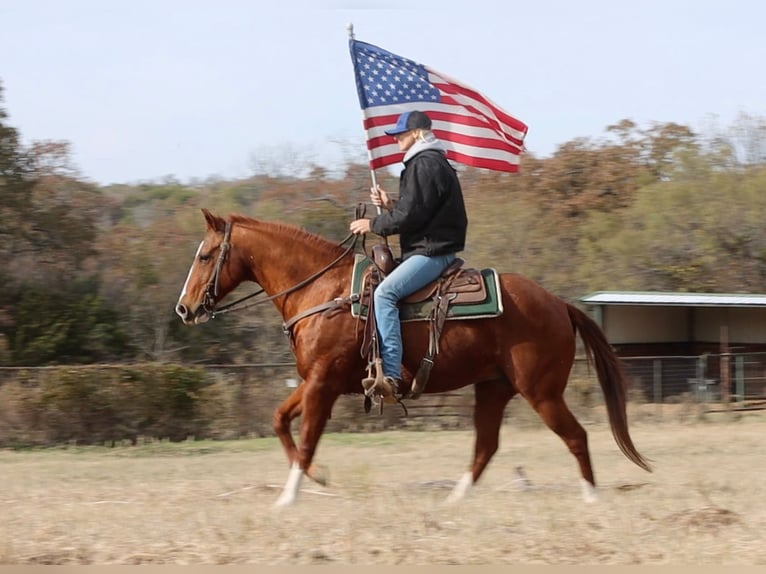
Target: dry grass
[[211, 502]]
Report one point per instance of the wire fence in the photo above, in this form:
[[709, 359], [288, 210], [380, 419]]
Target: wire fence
[[720, 378], [239, 400]]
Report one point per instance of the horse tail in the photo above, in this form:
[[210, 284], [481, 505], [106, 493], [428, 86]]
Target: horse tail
[[612, 379]]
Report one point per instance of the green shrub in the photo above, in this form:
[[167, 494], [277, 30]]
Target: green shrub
[[98, 405]]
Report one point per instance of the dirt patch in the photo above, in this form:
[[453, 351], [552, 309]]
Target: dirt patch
[[212, 502], [705, 519]]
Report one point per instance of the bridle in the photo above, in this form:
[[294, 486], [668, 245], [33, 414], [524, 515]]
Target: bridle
[[211, 289]]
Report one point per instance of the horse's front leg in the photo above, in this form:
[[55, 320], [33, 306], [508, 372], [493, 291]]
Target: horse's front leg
[[289, 410], [283, 417], [315, 409]]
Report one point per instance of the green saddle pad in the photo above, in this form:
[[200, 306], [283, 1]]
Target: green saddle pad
[[492, 306]]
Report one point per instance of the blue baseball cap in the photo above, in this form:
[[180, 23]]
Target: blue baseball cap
[[410, 121]]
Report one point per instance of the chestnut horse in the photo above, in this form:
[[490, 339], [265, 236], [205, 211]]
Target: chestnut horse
[[528, 350]]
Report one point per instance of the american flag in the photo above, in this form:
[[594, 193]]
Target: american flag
[[475, 131]]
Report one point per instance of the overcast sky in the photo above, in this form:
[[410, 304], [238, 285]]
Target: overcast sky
[[143, 89]]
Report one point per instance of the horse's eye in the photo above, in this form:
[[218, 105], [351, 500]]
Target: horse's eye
[[204, 258]]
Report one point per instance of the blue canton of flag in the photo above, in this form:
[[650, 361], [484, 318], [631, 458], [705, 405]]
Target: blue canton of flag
[[384, 79]]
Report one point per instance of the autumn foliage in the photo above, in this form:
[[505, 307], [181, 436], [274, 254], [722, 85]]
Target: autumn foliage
[[91, 273]]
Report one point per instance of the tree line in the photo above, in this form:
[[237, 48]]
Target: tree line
[[91, 273]]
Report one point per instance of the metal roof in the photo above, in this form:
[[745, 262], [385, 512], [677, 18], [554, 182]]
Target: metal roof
[[675, 299]]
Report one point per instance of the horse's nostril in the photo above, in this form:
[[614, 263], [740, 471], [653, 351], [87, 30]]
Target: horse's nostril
[[181, 310]]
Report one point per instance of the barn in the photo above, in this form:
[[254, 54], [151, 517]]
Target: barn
[[712, 345]]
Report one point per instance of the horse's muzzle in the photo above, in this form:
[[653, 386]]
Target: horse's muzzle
[[189, 317]]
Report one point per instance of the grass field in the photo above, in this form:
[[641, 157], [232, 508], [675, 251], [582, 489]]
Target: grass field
[[211, 502]]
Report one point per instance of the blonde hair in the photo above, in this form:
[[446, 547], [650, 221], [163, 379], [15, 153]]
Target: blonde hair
[[424, 134]]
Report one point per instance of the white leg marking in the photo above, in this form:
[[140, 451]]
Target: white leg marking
[[293, 484], [588, 491], [461, 488]]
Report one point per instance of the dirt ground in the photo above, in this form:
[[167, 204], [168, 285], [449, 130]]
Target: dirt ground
[[212, 502]]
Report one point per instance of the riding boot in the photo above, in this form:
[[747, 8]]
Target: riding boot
[[388, 387]]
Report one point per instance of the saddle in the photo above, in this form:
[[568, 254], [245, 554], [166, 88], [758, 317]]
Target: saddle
[[456, 285], [462, 286]]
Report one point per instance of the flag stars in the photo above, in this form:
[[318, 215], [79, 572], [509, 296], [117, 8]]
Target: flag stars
[[386, 79]]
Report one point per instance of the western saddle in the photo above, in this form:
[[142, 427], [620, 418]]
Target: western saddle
[[456, 285]]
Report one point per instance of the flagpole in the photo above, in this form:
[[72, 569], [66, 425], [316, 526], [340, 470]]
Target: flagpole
[[381, 255], [350, 29]]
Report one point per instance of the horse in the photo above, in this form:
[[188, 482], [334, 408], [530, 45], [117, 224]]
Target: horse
[[528, 350]]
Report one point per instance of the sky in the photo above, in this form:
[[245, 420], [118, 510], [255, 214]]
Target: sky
[[196, 89]]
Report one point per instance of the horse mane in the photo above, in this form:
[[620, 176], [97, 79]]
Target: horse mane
[[289, 231]]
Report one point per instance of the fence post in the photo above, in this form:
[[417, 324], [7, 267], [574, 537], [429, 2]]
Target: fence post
[[700, 385], [739, 375]]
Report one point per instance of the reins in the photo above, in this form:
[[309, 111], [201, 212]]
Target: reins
[[212, 285]]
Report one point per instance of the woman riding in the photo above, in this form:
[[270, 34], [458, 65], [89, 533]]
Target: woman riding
[[430, 219]]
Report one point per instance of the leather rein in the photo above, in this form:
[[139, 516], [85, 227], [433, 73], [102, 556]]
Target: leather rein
[[211, 289]]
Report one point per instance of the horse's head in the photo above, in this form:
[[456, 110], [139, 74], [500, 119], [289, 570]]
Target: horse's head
[[210, 278]]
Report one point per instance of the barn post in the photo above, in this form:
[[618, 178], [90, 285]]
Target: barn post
[[657, 363]]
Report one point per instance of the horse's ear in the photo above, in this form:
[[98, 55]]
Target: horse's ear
[[214, 222]]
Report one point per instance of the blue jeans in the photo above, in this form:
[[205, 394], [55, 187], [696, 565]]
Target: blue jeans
[[410, 275]]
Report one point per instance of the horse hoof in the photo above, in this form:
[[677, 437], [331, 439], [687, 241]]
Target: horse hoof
[[319, 474], [452, 500], [282, 503], [589, 495]]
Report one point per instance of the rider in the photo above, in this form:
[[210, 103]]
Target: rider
[[431, 221]]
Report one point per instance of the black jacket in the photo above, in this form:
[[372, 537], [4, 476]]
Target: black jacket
[[429, 215]]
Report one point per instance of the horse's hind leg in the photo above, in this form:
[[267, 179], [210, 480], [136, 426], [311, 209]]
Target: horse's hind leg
[[491, 398], [556, 414]]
